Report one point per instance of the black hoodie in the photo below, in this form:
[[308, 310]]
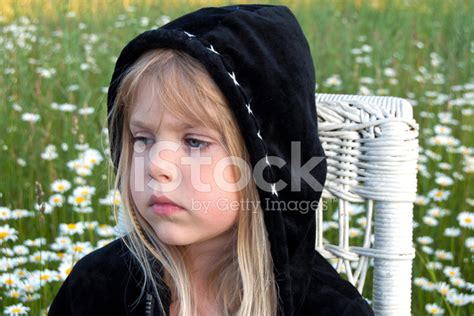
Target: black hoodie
[[261, 60]]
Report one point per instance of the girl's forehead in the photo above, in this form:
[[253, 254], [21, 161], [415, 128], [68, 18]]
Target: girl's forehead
[[152, 119]]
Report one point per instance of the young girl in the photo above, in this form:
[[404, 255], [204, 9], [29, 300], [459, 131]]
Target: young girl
[[213, 133]]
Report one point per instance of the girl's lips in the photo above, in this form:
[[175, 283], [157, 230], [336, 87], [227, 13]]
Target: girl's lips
[[165, 209]]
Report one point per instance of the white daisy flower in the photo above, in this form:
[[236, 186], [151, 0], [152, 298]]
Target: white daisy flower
[[9, 280], [30, 117], [92, 156], [18, 213], [80, 249], [333, 81], [60, 243], [71, 14], [452, 232], [45, 72], [442, 129], [85, 190], [434, 265], [366, 48], [30, 297], [101, 243], [45, 276], [105, 230], [439, 195], [367, 80], [428, 286], [355, 232], [80, 181], [444, 180], [470, 243], [424, 240], [90, 225], [48, 208], [21, 272], [459, 299], [162, 20], [28, 285], [79, 200], [21, 162], [421, 200], [419, 44], [362, 221], [437, 212], [14, 293], [427, 249], [456, 281], [420, 281], [17, 309], [450, 271], [84, 171], [49, 152], [73, 87], [71, 228], [83, 209], [443, 254], [466, 219], [113, 197], [430, 221], [65, 268], [21, 250], [86, 111], [56, 200], [60, 185], [67, 107], [363, 90], [41, 256], [5, 213], [389, 72], [7, 251], [442, 288], [7, 233], [37, 242], [434, 309]]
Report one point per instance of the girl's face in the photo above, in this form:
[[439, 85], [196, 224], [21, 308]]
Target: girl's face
[[187, 165]]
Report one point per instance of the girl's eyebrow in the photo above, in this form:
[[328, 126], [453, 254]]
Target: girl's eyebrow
[[175, 126]]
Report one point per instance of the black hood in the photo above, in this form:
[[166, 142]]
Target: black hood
[[261, 60]]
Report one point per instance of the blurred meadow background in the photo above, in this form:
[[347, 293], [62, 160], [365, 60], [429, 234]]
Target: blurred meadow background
[[56, 61]]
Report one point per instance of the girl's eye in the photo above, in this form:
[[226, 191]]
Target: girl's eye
[[141, 139], [193, 141]]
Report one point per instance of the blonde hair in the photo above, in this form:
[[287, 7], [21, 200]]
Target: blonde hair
[[242, 281]]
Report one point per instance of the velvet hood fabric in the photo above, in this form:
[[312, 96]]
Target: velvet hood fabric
[[261, 60]]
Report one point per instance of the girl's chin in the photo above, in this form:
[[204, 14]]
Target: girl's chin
[[174, 239]]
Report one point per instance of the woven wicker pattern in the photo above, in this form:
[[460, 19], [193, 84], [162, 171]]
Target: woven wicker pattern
[[371, 144]]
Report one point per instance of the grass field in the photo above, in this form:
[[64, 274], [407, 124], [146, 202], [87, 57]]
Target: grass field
[[56, 61]]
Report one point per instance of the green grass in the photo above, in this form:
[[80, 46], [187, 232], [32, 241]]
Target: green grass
[[402, 35]]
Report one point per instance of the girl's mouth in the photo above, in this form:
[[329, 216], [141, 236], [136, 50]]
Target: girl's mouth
[[165, 209]]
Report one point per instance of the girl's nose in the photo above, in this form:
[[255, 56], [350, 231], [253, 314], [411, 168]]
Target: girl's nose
[[163, 164]]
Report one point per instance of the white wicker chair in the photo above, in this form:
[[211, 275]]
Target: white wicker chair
[[371, 144]]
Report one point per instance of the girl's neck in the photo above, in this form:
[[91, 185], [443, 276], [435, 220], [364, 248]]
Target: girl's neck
[[200, 258]]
